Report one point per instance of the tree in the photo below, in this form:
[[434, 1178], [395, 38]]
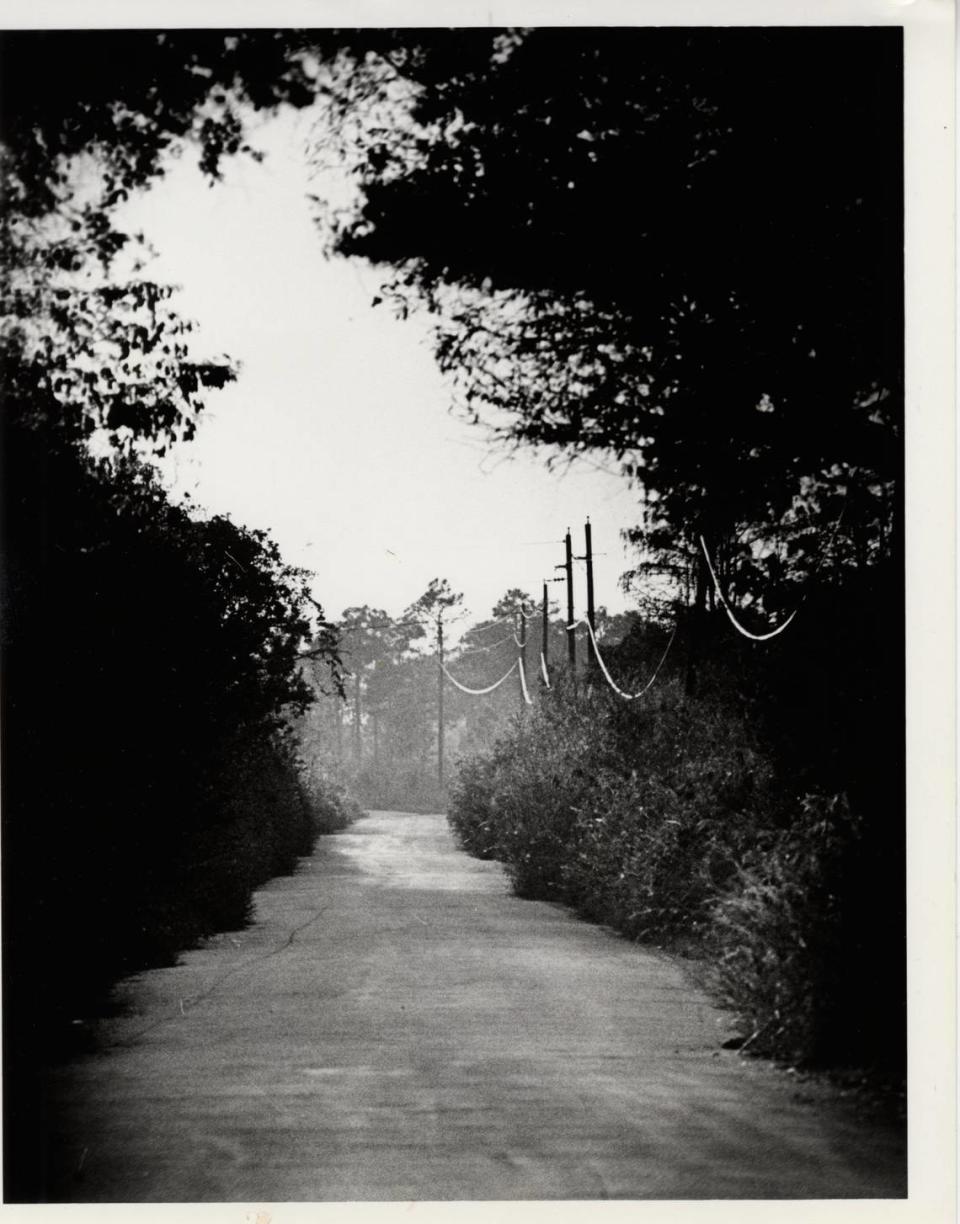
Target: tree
[[436, 601], [150, 655], [512, 604], [369, 638], [88, 118], [694, 265], [130, 98]]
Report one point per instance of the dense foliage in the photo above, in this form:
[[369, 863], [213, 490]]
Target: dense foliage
[[694, 265], [151, 773], [152, 688], [755, 825]]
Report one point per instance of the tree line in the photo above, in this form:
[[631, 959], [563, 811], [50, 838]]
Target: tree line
[[382, 735], [153, 770]]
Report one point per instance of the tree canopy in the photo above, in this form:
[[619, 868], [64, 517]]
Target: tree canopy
[[679, 246]]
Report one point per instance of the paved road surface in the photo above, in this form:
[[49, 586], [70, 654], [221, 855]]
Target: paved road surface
[[397, 1026]]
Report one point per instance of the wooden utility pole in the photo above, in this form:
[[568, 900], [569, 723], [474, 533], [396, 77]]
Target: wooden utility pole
[[571, 639], [591, 611], [522, 639], [440, 698]]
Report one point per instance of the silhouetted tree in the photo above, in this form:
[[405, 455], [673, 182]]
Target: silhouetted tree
[[684, 249]]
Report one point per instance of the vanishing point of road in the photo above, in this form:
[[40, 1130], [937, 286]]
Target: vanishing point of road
[[395, 1025]]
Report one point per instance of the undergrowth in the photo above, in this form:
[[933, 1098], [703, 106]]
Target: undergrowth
[[669, 822]]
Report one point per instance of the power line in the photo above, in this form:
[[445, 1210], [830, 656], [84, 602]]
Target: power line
[[355, 628], [490, 624], [483, 649], [765, 637], [754, 637], [523, 683], [479, 692], [603, 667]]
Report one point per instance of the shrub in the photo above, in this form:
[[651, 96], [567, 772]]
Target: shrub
[[149, 779], [635, 816], [789, 954], [667, 821]]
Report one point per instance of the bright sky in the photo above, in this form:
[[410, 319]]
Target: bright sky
[[337, 436]]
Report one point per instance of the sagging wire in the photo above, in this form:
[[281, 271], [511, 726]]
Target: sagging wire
[[523, 683], [754, 637], [603, 667], [494, 620], [483, 649], [544, 672], [479, 692], [765, 637]]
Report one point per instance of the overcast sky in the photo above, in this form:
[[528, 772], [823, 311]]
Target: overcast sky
[[337, 435]]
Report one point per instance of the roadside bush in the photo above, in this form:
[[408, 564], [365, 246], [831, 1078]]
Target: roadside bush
[[668, 821], [633, 815], [150, 779], [331, 807], [790, 951]]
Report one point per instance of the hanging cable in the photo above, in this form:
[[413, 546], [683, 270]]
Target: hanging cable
[[754, 637], [543, 670], [523, 683], [479, 692], [494, 620], [490, 624], [603, 667], [483, 649]]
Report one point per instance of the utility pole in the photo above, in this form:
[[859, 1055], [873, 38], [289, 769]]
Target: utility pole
[[591, 612], [440, 698], [571, 639], [522, 638]]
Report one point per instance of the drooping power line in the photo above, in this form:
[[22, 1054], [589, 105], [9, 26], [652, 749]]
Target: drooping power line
[[523, 683], [754, 637], [479, 692], [603, 667], [472, 650], [543, 670]]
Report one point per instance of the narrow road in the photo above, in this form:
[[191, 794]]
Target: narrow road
[[397, 1026]]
